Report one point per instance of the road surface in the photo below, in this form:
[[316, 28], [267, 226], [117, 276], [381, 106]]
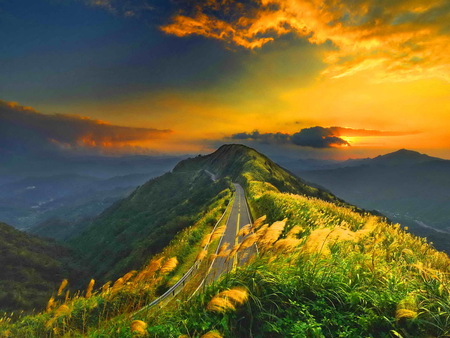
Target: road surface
[[238, 218]]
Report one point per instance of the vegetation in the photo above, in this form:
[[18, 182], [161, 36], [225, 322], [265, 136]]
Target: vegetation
[[323, 269], [81, 313], [140, 226], [30, 269]]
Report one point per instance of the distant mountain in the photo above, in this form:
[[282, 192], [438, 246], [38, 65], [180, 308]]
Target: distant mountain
[[31, 269], [69, 198], [402, 157], [16, 167], [404, 185]]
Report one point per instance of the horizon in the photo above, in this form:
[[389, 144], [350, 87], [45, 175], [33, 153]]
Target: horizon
[[156, 78]]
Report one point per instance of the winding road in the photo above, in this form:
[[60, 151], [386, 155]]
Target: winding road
[[239, 217]]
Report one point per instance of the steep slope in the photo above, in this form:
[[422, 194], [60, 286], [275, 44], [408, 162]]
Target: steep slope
[[30, 269], [127, 234]]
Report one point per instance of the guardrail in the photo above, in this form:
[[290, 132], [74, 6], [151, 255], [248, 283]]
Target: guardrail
[[178, 286]]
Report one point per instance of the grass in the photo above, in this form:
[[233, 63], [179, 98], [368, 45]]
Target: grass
[[324, 269]]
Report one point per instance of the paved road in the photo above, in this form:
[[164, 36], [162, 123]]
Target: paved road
[[239, 217]]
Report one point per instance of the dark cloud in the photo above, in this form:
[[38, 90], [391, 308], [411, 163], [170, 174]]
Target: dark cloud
[[24, 130], [264, 137], [315, 137]]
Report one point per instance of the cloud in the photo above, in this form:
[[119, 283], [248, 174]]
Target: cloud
[[315, 137], [402, 40], [24, 130], [264, 137], [127, 8]]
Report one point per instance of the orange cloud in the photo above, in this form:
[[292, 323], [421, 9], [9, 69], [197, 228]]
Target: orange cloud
[[402, 40], [24, 129]]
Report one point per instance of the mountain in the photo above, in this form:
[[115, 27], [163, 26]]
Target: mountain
[[125, 235], [31, 269], [34, 202], [404, 185], [402, 157], [243, 164], [323, 268], [135, 228], [18, 167]]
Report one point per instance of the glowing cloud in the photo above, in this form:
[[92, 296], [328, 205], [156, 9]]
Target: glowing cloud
[[315, 137], [23, 129], [402, 40]]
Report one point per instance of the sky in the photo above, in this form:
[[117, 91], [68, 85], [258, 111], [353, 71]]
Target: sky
[[306, 78]]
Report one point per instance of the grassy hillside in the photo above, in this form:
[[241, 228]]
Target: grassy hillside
[[30, 269], [133, 229], [243, 164], [324, 269]]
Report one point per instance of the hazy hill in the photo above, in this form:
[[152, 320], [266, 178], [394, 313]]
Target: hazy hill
[[30, 269], [18, 167], [39, 204], [405, 185]]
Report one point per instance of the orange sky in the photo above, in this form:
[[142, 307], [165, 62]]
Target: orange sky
[[296, 64]]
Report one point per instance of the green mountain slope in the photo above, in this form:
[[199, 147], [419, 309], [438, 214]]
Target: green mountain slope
[[323, 269], [30, 269], [127, 234]]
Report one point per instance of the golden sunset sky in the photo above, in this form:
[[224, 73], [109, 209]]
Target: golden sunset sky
[[186, 76]]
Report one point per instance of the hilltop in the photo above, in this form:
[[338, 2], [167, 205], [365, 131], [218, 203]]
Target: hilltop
[[244, 165]]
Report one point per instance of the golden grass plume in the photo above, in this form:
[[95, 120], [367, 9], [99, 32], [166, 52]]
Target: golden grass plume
[[139, 327], [62, 286], [245, 230], [202, 254], [128, 276], [50, 304], [248, 241], [169, 265], [206, 240], [218, 233], [219, 304], [227, 300], [90, 288], [150, 270], [259, 222], [212, 334]]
